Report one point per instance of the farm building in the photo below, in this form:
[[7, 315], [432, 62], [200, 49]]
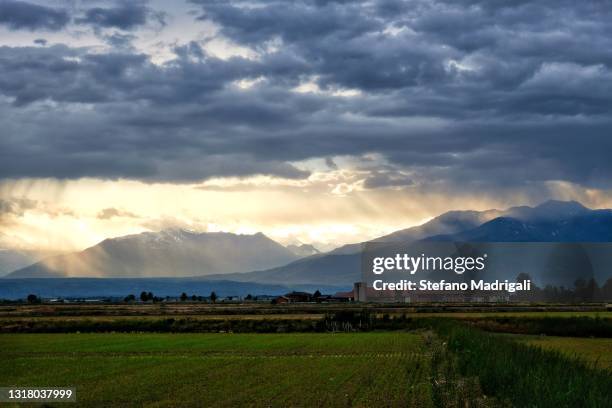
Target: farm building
[[280, 300], [295, 297]]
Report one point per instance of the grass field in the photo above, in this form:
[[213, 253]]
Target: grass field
[[359, 369], [595, 351], [115, 357], [297, 310], [524, 375], [116, 318]]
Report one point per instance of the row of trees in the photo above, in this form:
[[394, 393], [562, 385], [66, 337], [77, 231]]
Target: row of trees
[[184, 297], [149, 297], [584, 290]]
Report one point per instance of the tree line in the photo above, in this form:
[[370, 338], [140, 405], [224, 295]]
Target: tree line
[[584, 290], [150, 297]]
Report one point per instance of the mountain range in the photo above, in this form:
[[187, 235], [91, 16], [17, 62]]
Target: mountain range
[[168, 253], [552, 221], [258, 259]]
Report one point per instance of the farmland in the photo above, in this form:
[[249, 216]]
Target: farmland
[[597, 352], [522, 374], [360, 369], [312, 355], [301, 309], [202, 317]]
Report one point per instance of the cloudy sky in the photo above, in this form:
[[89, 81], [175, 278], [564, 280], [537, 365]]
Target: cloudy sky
[[313, 121]]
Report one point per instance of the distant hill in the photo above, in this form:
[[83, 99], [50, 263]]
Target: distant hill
[[342, 266], [11, 260], [331, 269], [448, 223], [169, 253], [303, 250], [552, 221], [551, 210]]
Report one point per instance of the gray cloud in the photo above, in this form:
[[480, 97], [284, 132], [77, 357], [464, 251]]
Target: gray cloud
[[120, 41], [20, 15], [481, 94], [383, 179], [329, 162], [300, 22], [16, 206], [125, 16]]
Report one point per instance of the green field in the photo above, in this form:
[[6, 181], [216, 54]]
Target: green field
[[597, 352], [352, 357], [294, 311], [360, 369], [174, 319]]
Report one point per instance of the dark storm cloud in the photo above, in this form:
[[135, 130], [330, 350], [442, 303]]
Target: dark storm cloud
[[481, 93], [300, 22], [20, 15], [125, 16]]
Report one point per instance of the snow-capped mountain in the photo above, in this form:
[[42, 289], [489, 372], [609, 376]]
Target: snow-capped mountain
[[171, 252]]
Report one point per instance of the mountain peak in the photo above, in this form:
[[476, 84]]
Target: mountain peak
[[555, 209], [558, 205], [551, 210], [172, 252]]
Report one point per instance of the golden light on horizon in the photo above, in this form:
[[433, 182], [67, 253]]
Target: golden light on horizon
[[48, 214]]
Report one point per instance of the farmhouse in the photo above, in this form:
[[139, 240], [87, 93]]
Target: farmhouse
[[304, 297], [295, 297]]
